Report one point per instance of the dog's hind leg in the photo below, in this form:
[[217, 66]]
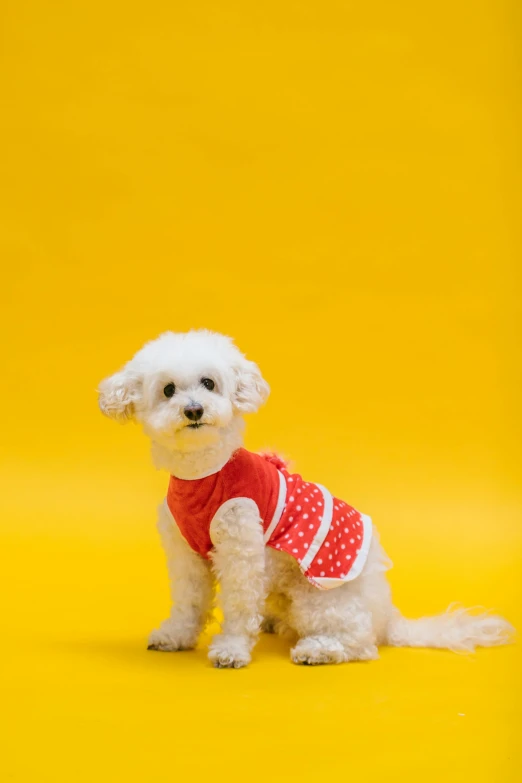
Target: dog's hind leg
[[333, 626]]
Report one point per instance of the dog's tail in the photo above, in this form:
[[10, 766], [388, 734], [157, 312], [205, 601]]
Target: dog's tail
[[457, 629]]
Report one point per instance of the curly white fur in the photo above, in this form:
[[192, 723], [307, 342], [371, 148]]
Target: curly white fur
[[347, 623], [239, 559], [191, 591]]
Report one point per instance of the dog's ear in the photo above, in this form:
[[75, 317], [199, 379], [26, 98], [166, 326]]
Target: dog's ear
[[251, 388], [118, 394]]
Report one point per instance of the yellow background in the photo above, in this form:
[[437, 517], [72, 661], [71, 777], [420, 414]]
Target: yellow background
[[336, 185]]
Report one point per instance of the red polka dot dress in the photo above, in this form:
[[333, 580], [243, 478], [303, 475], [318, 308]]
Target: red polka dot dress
[[329, 539]]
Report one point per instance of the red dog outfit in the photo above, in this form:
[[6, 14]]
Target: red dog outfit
[[329, 539]]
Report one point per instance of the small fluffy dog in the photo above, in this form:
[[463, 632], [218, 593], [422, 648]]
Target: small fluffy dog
[[288, 555]]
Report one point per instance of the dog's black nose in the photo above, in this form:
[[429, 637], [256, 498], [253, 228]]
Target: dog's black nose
[[194, 411]]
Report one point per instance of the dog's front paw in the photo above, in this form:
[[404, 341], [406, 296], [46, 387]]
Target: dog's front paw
[[229, 652], [170, 637]]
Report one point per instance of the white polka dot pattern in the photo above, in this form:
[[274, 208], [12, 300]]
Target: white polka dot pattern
[[342, 541]]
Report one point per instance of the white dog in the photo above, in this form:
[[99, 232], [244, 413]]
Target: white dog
[[287, 555]]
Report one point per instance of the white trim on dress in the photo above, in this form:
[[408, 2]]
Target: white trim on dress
[[323, 529], [328, 582], [278, 513], [200, 476]]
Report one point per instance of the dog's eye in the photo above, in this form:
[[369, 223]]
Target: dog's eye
[[208, 383], [169, 390]]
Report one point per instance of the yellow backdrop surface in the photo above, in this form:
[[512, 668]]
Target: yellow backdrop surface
[[336, 185]]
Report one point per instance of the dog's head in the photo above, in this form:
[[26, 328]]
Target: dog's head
[[184, 389]]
